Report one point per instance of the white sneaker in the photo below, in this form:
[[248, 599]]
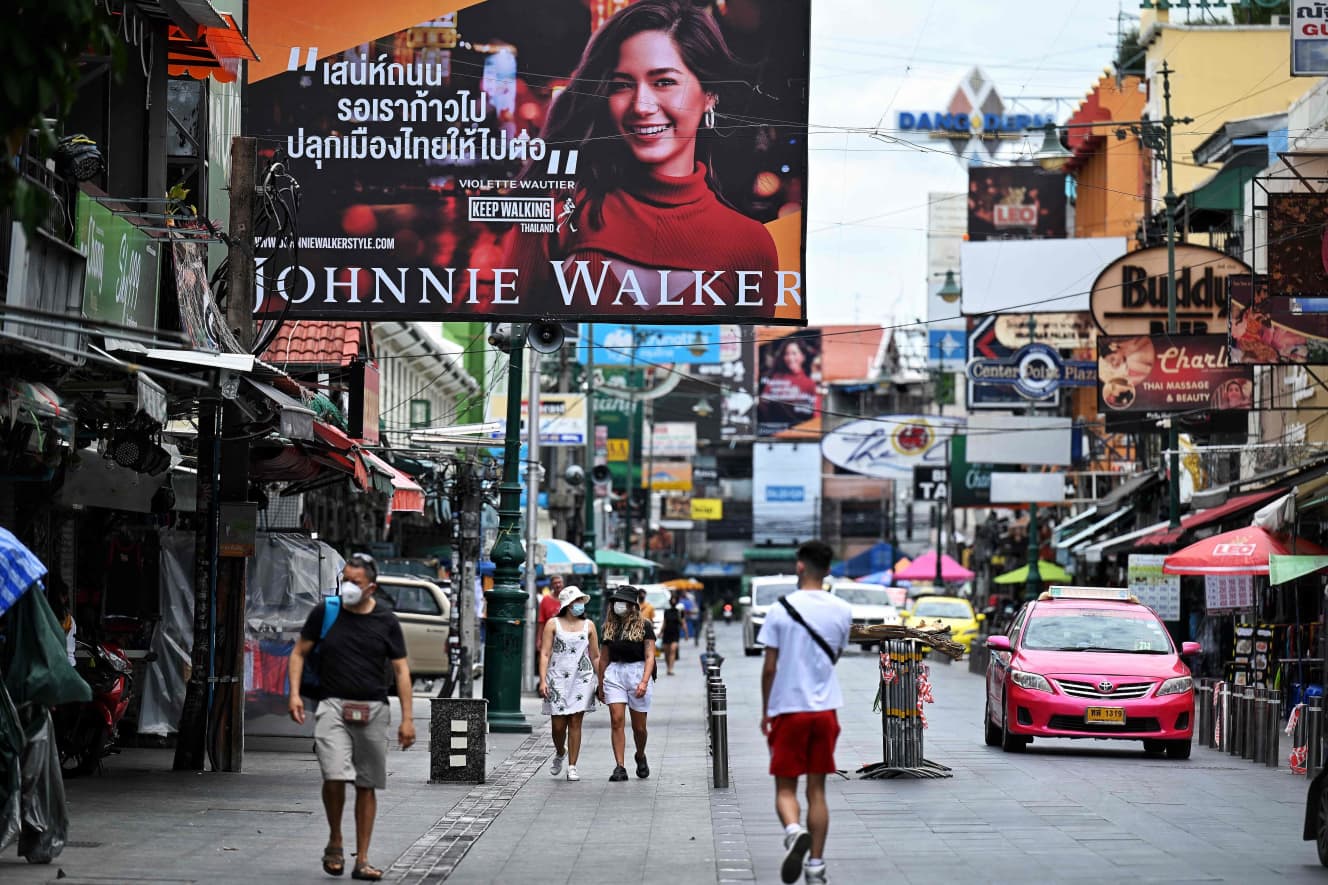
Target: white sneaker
[[815, 875], [796, 846], [557, 767], [571, 773]]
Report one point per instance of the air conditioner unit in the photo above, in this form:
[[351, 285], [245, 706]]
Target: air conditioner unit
[[46, 274]]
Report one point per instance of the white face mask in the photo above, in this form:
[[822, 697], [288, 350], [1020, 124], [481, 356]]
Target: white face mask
[[620, 608], [351, 594]]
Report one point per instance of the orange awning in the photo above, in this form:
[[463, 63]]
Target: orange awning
[[216, 52], [407, 495]]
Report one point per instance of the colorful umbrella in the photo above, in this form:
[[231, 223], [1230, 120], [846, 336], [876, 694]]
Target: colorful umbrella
[[1239, 552], [886, 577], [1048, 573], [924, 569], [684, 584], [562, 558]]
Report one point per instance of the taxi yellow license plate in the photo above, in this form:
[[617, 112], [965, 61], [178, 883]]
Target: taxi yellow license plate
[[1105, 715]]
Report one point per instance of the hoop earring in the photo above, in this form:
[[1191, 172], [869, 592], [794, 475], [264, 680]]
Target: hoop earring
[[709, 118]]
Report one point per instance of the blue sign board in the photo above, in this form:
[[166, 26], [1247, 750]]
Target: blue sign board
[[619, 345], [785, 493], [947, 348]]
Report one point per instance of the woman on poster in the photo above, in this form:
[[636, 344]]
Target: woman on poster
[[640, 112], [788, 387]]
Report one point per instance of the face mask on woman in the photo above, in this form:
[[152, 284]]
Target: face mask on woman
[[578, 610], [351, 594], [620, 608]]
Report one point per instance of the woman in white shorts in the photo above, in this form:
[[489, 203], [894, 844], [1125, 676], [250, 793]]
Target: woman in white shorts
[[626, 668]]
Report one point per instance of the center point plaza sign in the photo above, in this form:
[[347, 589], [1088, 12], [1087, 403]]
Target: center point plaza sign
[[1035, 371], [521, 159]]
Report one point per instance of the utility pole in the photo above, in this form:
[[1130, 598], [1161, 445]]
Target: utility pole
[[1170, 199], [1033, 582], [590, 585], [532, 520], [648, 431], [468, 556]]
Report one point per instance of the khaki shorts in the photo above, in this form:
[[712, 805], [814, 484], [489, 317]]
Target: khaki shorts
[[349, 752]]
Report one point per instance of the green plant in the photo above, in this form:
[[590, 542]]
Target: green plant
[[42, 42]]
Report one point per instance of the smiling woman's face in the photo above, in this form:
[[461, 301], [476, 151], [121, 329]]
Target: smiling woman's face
[[657, 103]]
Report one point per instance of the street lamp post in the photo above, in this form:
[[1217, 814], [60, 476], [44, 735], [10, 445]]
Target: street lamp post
[[1156, 136], [590, 582], [1033, 581], [506, 608]]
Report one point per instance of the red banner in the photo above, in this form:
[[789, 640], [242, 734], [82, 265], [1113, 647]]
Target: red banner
[[1178, 373]]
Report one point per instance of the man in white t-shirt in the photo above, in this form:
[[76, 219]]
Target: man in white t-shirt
[[803, 636]]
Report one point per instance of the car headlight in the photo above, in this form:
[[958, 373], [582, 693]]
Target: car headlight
[[1177, 685], [1030, 681]]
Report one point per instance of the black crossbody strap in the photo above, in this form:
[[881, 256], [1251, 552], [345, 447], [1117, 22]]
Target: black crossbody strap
[[820, 640]]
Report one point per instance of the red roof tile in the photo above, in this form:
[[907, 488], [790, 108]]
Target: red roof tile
[[313, 342]]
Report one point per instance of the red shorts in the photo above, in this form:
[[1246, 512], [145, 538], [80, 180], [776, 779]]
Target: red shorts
[[803, 743]]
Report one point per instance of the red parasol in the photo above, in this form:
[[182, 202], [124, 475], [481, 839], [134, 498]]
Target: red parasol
[[1238, 552]]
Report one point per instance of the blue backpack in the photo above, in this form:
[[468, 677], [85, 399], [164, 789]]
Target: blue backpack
[[310, 686]]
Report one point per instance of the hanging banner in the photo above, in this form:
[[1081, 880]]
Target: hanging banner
[[618, 345], [1275, 330], [733, 381], [562, 418], [890, 446], [1129, 297], [1158, 591], [790, 381], [490, 159], [1015, 203], [1182, 373], [786, 492]]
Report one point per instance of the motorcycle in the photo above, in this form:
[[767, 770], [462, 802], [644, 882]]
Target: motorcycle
[[728, 612], [86, 732]]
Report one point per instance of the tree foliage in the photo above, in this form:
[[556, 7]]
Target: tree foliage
[[42, 42]]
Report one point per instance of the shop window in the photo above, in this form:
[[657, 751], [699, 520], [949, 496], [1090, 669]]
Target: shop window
[[420, 413]]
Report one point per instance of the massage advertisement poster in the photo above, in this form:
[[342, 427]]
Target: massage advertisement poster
[[639, 160], [1177, 373]]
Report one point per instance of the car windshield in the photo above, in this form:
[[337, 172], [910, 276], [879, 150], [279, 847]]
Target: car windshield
[[862, 595], [768, 594], [943, 608], [1097, 631]]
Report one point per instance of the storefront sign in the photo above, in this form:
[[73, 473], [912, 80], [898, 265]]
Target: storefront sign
[[1296, 226], [707, 509], [1228, 592], [562, 418], [124, 264], [983, 344], [1035, 371], [889, 447], [1015, 202], [444, 165], [930, 483], [1063, 331], [1148, 583], [1271, 330], [1130, 296], [1309, 39], [672, 439], [1183, 373], [786, 492], [970, 484], [734, 380], [964, 126], [364, 414], [668, 476], [619, 345]]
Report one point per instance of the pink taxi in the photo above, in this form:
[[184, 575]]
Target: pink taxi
[[1089, 662]]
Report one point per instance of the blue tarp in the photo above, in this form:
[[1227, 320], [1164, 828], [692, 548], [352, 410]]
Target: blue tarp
[[876, 558]]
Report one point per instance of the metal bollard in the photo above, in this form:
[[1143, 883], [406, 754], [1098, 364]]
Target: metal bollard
[[1259, 727], [719, 715], [1274, 729], [1221, 716], [1203, 703], [1237, 720], [1314, 737], [1246, 723]]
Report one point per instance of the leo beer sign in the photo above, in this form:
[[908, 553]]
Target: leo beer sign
[[1129, 297]]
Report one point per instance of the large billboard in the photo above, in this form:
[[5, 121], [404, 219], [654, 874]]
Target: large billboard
[[1270, 330], [1129, 297], [733, 382], [640, 346], [1178, 373], [1015, 203], [786, 492], [790, 372], [526, 159]]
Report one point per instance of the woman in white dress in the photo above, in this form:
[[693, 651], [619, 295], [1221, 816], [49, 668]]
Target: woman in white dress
[[567, 682]]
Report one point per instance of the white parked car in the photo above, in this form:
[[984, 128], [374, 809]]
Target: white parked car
[[872, 604], [765, 592]]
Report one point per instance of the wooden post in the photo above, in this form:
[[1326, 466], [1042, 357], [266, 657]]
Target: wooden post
[[240, 302]]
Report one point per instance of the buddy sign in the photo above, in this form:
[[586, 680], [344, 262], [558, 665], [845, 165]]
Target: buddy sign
[[1129, 297]]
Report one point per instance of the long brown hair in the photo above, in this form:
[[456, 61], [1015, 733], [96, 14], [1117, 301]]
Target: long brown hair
[[631, 626]]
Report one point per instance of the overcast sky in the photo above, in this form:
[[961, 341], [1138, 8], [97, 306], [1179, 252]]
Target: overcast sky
[[866, 227]]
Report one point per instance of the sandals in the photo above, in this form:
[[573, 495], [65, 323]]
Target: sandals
[[334, 861], [364, 871]]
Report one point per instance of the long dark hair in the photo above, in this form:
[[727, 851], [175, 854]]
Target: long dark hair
[[580, 115]]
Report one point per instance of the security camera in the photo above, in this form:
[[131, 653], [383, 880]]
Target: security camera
[[574, 475], [500, 335]]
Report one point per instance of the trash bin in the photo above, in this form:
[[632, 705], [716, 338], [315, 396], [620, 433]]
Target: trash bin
[[457, 740]]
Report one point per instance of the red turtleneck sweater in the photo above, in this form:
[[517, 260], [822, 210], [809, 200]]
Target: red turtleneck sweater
[[656, 223]]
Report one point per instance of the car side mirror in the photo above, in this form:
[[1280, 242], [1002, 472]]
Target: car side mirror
[[1190, 648], [998, 643], [744, 600], [980, 617]]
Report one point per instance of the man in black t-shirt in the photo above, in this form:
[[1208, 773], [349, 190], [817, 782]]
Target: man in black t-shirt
[[363, 646]]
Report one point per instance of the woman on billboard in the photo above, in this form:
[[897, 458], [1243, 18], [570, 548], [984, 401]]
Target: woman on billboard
[[640, 112], [789, 372]]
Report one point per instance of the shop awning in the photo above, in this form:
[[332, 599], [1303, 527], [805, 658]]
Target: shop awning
[[1085, 534], [343, 454], [619, 559], [713, 570], [294, 419], [407, 495], [1211, 516], [1282, 569], [1127, 490], [1079, 519], [215, 51], [1222, 191], [1095, 552]]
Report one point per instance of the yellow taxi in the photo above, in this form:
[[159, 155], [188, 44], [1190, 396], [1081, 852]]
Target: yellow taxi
[[946, 611]]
